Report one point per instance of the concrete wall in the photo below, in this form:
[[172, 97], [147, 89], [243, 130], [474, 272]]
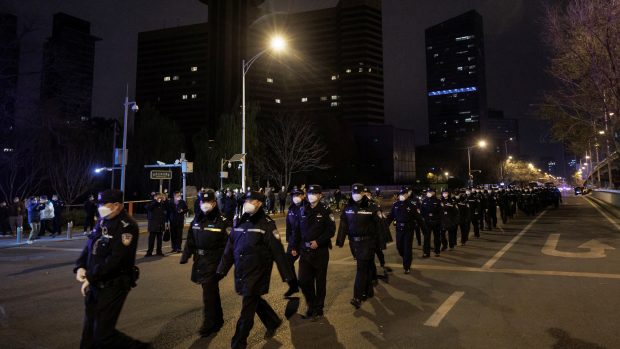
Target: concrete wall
[[609, 196]]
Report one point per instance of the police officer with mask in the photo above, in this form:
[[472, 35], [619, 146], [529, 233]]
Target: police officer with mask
[[106, 269], [360, 221], [253, 246], [292, 227], [431, 211], [177, 210], [206, 239], [312, 242], [405, 215], [464, 217], [449, 220]]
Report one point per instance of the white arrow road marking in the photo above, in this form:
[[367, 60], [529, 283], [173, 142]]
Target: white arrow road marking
[[443, 310], [597, 249]]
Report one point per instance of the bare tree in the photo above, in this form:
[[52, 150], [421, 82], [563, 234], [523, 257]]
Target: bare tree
[[294, 146], [71, 175]]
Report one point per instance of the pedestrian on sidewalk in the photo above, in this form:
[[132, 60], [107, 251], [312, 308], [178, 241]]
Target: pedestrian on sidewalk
[[90, 212], [177, 210], [47, 217], [16, 214], [59, 206], [5, 227], [156, 216], [34, 219]]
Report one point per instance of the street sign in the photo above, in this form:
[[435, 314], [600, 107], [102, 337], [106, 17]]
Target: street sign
[[187, 167], [161, 174]]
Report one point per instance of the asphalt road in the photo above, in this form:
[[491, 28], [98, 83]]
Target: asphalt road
[[520, 286]]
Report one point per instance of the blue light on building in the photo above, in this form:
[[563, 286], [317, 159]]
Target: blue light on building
[[456, 90]]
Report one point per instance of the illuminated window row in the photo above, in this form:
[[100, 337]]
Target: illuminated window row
[[192, 96], [466, 37], [456, 90]]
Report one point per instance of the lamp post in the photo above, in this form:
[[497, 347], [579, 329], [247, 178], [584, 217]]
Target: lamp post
[[506, 145], [480, 144], [134, 108], [277, 44]]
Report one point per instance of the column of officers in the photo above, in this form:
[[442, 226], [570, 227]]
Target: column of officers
[[251, 243]]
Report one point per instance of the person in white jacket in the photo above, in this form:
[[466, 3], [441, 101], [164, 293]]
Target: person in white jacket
[[47, 217]]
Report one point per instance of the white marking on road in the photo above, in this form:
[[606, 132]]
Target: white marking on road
[[603, 213], [514, 240], [443, 310], [50, 248], [597, 249]]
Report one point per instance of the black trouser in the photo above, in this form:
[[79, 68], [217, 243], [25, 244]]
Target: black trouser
[[380, 256], [251, 305], [282, 205], [465, 226], [503, 212], [103, 306], [313, 278], [292, 259], [452, 232], [152, 236], [418, 234], [56, 224], [46, 225], [493, 213], [481, 219], [89, 223], [176, 235], [435, 229], [404, 245], [476, 221], [444, 239], [213, 315], [362, 288]]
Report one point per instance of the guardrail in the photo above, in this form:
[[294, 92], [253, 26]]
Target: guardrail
[[610, 196]]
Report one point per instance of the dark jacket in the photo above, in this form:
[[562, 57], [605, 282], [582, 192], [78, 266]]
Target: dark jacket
[[33, 212], [292, 221], [361, 223], [156, 215], [315, 224], [206, 239], [450, 216], [464, 211], [59, 205], [17, 209], [229, 205], [110, 251], [431, 210], [405, 214], [90, 209], [253, 246], [177, 211]]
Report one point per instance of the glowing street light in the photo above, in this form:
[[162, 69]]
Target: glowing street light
[[446, 174], [481, 144]]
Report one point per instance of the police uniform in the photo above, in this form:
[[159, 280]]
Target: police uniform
[[360, 222], [449, 221], [431, 211], [405, 215], [206, 239], [177, 211], [253, 246], [464, 217], [292, 227], [315, 224], [475, 211], [109, 259]]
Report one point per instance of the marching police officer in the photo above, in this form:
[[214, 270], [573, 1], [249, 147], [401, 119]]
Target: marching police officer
[[229, 205], [449, 220], [475, 210], [464, 217], [431, 211], [253, 246], [360, 221], [312, 242], [106, 269], [206, 239], [292, 226], [406, 215]]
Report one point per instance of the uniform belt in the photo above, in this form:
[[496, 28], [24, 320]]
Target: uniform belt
[[360, 238]]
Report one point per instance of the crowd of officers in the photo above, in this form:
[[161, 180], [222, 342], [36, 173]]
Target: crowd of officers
[[251, 242]]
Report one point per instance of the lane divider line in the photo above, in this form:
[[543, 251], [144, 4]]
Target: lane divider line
[[489, 264], [443, 310]]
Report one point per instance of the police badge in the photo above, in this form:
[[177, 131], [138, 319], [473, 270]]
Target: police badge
[[126, 239]]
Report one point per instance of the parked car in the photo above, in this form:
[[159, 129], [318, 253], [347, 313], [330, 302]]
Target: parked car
[[578, 190]]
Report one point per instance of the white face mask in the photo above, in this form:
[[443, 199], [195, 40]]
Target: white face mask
[[104, 211], [313, 198], [467, 192], [249, 208], [445, 195], [357, 197], [429, 195], [206, 207], [402, 198], [296, 200]]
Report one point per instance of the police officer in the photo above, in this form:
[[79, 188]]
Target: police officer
[[431, 211], [360, 222], [312, 242], [464, 217], [177, 210], [405, 214], [206, 239], [106, 269], [229, 205], [292, 227], [253, 246], [59, 206], [474, 210], [157, 217], [449, 220], [384, 237]]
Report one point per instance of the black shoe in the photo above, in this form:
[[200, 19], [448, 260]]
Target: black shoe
[[443, 248], [356, 303], [272, 331], [148, 255], [387, 269], [206, 332], [407, 271], [308, 315], [292, 289], [437, 254], [426, 255]]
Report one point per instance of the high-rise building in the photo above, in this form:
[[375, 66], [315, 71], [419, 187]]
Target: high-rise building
[[68, 67], [502, 133], [455, 73], [9, 69], [172, 74]]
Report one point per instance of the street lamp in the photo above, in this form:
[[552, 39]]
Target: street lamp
[[277, 44], [506, 145], [480, 144], [134, 108]]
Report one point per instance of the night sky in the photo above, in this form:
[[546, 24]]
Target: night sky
[[515, 56]]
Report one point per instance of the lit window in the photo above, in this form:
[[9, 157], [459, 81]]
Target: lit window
[[184, 96], [348, 70], [466, 37], [334, 98], [194, 69], [429, 48], [166, 78], [436, 55], [472, 66], [304, 99], [176, 77], [370, 70], [459, 68], [461, 52], [360, 70], [194, 95], [469, 59], [323, 99], [270, 80], [470, 45], [278, 101], [442, 79], [334, 77], [334, 104]]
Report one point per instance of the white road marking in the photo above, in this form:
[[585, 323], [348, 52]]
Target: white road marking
[[597, 249], [443, 310], [50, 248], [603, 213], [514, 240]]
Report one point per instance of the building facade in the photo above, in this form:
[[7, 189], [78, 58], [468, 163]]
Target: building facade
[[9, 70], [455, 72]]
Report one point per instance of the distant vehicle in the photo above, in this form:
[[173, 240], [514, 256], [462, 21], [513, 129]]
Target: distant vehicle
[[578, 190]]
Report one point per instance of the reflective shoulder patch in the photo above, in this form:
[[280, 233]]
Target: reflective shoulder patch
[[331, 216], [276, 234], [126, 239], [364, 212], [349, 212], [214, 229], [256, 230], [228, 230], [238, 229]]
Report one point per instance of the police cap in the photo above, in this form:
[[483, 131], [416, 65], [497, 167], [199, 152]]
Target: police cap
[[255, 195], [110, 196], [315, 189], [207, 195], [357, 188]]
